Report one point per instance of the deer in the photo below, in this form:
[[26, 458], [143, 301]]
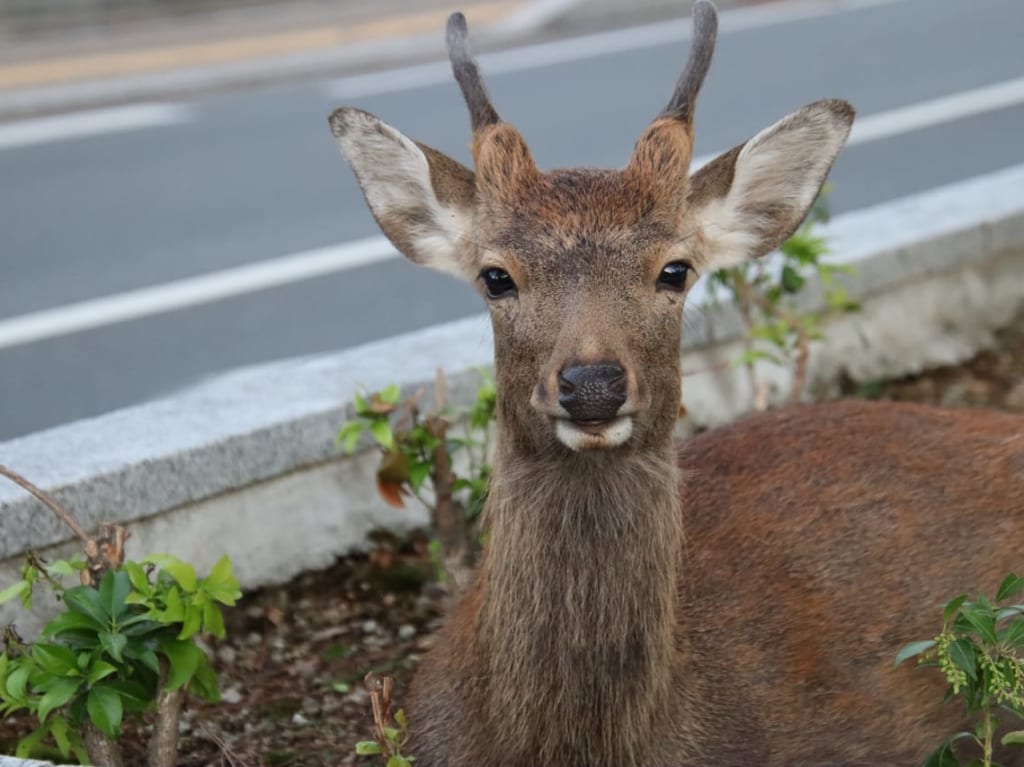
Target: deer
[[734, 599]]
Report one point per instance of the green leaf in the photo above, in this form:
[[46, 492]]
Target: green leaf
[[55, 659], [60, 567], [213, 621], [418, 473], [1011, 586], [981, 620], [113, 644], [390, 394], [952, 606], [1015, 738], [15, 591], [348, 435], [397, 761], [913, 649], [134, 696], [59, 693], [400, 718], [367, 748], [1013, 634], [85, 600], [390, 733], [193, 621], [221, 584], [182, 572], [105, 710], [27, 746], [174, 609], [58, 728], [360, 403], [792, 281], [204, 682], [17, 681], [381, 431], [183, 658], [72, 622], [99, 669], [138, 578], [961, 652], [114, 587]]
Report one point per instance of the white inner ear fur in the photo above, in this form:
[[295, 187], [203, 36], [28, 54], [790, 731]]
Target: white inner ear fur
[[777, 176], [395, 177]]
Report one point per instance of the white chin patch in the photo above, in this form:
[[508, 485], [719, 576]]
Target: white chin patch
[[612, 434]]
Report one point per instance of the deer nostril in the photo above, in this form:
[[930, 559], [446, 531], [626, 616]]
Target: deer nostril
[[565, 386], [592, 392]]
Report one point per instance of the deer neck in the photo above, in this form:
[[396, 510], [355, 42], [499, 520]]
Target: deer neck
[[579, 600]]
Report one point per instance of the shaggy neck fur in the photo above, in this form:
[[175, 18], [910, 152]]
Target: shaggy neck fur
[[577, 628]]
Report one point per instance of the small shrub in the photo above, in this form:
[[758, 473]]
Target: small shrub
[[978, 651]]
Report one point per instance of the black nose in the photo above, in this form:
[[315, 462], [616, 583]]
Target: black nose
[[592, 392]]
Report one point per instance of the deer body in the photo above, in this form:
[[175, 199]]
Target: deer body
[[737, 601], [780, 619]]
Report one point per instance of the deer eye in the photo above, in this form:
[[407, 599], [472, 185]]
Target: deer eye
[[498, 282], [673, 276]]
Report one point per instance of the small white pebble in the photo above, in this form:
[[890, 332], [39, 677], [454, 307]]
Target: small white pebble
[[407, 631], [371, 627], [299, 720], [232, 695]]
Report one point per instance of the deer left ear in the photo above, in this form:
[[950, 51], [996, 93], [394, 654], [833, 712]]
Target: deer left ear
[[750, 199], [422, 199]]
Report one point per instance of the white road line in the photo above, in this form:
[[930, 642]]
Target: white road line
[[937, 111], [216, 286], [192, 291], [541, 55], [92, 123]]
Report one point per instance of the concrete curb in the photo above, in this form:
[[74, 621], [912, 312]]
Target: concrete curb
[[246, 465]]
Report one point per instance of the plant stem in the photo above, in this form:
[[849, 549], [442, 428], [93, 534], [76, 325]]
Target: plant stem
[[163, 745], [103, 751], [986, 718]]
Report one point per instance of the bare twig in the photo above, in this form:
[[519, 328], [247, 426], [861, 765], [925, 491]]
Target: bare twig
[[103, 553], [227, 754], [62, 514]]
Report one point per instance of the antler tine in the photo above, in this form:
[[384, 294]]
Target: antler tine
[[705, 30], [467, 74]]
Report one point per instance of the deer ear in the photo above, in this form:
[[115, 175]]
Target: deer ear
[[750, 199], [422, 199]]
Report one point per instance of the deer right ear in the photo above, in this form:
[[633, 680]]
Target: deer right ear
[[753, 197], [422, 199]]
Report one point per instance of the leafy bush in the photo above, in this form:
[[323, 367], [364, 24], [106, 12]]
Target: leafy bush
[[978, 652], [125, 644]]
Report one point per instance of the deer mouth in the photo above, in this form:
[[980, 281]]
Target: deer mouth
[[594, 435]]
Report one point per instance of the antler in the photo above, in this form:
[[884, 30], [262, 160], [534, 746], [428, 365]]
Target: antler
[[705, 30], [467, 74]]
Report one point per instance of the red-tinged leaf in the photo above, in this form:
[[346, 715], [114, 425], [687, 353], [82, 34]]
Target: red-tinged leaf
[[392, 493]]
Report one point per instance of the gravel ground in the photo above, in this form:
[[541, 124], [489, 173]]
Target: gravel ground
[[292, 667]]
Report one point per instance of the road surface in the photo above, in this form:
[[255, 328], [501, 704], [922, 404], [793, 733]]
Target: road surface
[[146, 247]]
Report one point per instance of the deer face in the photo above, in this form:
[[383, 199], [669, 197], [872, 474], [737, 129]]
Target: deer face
[[585, 271]]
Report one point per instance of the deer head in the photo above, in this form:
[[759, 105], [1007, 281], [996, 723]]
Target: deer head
[[585, 271]]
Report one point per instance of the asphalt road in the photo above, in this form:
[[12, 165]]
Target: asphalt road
[[240, 178]]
